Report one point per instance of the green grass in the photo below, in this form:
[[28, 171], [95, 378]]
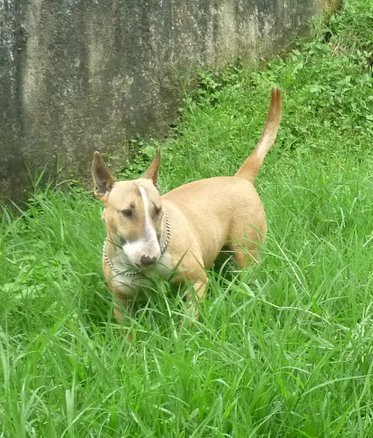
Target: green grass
[[282, 350]]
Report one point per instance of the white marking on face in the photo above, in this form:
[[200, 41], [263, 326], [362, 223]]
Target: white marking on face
[[147, 245], [150, 232]]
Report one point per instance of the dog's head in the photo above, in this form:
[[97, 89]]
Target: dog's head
[[132, 211]]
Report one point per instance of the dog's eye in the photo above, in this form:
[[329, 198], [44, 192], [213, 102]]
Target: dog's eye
[[157, 211], [127, 213]]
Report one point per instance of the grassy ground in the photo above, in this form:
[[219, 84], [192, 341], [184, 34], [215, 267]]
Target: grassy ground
[[283, 350]]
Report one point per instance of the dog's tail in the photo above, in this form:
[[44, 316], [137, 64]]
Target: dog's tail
[[252, 164]]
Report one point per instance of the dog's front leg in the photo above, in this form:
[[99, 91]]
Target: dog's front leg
[[195, 297], [123, 312]]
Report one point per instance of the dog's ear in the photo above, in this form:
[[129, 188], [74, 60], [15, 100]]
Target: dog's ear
[[153, 169], [101, 176]]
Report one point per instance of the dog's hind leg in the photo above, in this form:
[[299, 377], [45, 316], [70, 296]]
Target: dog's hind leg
[[243, 256], [246, 250], [245, 242]]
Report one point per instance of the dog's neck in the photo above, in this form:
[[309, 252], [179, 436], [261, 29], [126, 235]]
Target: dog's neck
[[165, 238]]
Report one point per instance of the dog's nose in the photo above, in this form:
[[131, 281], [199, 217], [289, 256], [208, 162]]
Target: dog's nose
[[146, 261]]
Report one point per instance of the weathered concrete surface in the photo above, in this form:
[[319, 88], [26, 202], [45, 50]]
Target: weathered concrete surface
[[81, 75]]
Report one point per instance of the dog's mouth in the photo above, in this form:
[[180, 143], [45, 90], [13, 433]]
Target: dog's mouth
[[148, 263]]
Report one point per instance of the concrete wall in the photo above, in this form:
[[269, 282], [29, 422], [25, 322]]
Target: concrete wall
[[80, 75]]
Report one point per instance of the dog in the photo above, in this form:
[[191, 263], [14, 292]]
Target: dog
[[183, 231]]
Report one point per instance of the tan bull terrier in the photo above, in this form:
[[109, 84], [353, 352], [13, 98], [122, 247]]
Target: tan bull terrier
[[183, 231]]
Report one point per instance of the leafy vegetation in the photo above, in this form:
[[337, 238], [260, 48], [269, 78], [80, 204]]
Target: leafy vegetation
[[284, 349]]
